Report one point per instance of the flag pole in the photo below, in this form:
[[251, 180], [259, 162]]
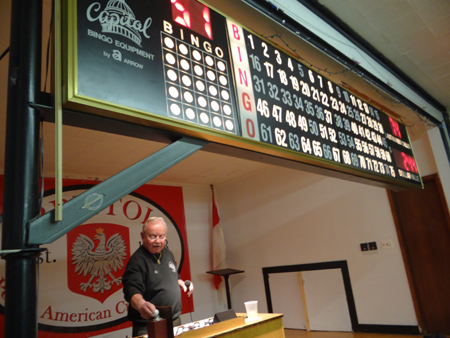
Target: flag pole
[[218, 242]]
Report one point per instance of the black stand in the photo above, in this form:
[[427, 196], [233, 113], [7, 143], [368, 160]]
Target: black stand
[[225, 273]]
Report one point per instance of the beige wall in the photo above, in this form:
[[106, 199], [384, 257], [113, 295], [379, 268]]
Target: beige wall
[[284, 217], [442, 161]]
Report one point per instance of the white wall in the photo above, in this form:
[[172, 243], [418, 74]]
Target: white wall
[[442, 161], [284, 217], [197, 204], [423, 154]]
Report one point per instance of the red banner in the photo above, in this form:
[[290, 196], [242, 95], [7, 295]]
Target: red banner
[[80, 288]]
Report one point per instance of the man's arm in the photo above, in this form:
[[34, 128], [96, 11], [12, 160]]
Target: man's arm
[[146, 309], [133, 288]]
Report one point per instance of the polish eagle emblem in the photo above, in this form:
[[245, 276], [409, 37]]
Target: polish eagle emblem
[[99, 262]]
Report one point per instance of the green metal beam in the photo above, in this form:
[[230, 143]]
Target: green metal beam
[[45, 229]]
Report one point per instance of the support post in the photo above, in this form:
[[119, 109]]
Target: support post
[[21, 187], [305, 307], [225, 273]]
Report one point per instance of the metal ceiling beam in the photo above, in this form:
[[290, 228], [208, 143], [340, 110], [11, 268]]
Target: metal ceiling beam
[[44, 229]]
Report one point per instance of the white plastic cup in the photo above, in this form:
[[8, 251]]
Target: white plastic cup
[[252, 309]]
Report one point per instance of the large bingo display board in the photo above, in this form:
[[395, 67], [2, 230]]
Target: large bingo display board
[[179, 65]]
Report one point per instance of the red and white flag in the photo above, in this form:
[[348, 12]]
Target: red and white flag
[[218, 243]]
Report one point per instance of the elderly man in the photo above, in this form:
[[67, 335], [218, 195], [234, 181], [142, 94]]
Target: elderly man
[[151, 278]]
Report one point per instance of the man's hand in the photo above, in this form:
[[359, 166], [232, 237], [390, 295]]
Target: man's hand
[[146, 309], [187, 286]]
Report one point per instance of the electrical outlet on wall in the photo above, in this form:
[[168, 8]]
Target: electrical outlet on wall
[[387, 244]]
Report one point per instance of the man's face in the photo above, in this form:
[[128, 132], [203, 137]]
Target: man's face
[[154, 237]]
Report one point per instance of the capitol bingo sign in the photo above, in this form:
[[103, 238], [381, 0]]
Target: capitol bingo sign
[[179, 66]]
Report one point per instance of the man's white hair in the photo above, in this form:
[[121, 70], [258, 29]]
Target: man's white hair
[[153, 220]]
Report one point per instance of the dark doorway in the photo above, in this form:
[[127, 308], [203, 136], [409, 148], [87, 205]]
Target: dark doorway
[[423, 226]]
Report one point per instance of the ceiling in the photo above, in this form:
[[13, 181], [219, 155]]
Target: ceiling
[[413, 34]]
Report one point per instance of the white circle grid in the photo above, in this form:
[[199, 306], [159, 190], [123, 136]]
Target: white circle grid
[[197, 85]]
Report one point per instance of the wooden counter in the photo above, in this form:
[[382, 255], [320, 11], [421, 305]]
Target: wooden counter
[[268, 325]]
